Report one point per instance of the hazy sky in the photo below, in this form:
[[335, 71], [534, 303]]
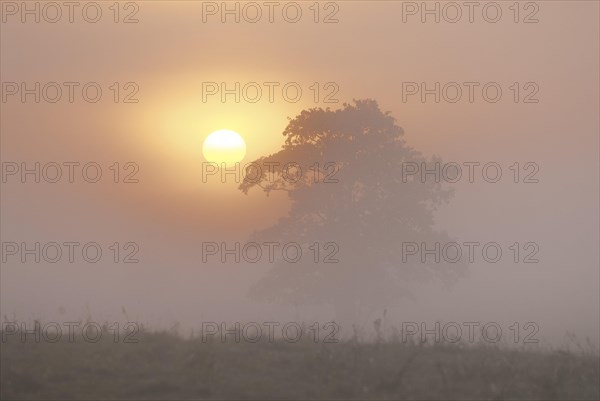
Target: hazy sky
[[369, 53]]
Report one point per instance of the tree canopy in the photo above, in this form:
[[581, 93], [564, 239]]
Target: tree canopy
[[351, 192]]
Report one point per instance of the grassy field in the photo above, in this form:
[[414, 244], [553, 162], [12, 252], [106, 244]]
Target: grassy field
[[167, 366]]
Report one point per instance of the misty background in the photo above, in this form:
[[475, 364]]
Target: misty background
[[369, 53]]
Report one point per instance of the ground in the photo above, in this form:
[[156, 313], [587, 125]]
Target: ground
[[167, 366]]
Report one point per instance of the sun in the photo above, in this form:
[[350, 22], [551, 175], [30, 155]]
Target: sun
[[224, 146]]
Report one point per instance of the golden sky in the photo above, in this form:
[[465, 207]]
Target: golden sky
[[171, 52]]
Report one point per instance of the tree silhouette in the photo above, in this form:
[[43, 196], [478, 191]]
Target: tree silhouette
[[351, 192]]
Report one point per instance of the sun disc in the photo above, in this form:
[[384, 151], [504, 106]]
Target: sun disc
[[224, 146]]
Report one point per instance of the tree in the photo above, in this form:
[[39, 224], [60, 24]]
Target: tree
[[360, 201]]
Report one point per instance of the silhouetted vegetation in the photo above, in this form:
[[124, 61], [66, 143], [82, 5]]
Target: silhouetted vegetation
[[164, 365], [352, 194]]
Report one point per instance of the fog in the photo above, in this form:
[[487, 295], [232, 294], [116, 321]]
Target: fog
[[380, 52]]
